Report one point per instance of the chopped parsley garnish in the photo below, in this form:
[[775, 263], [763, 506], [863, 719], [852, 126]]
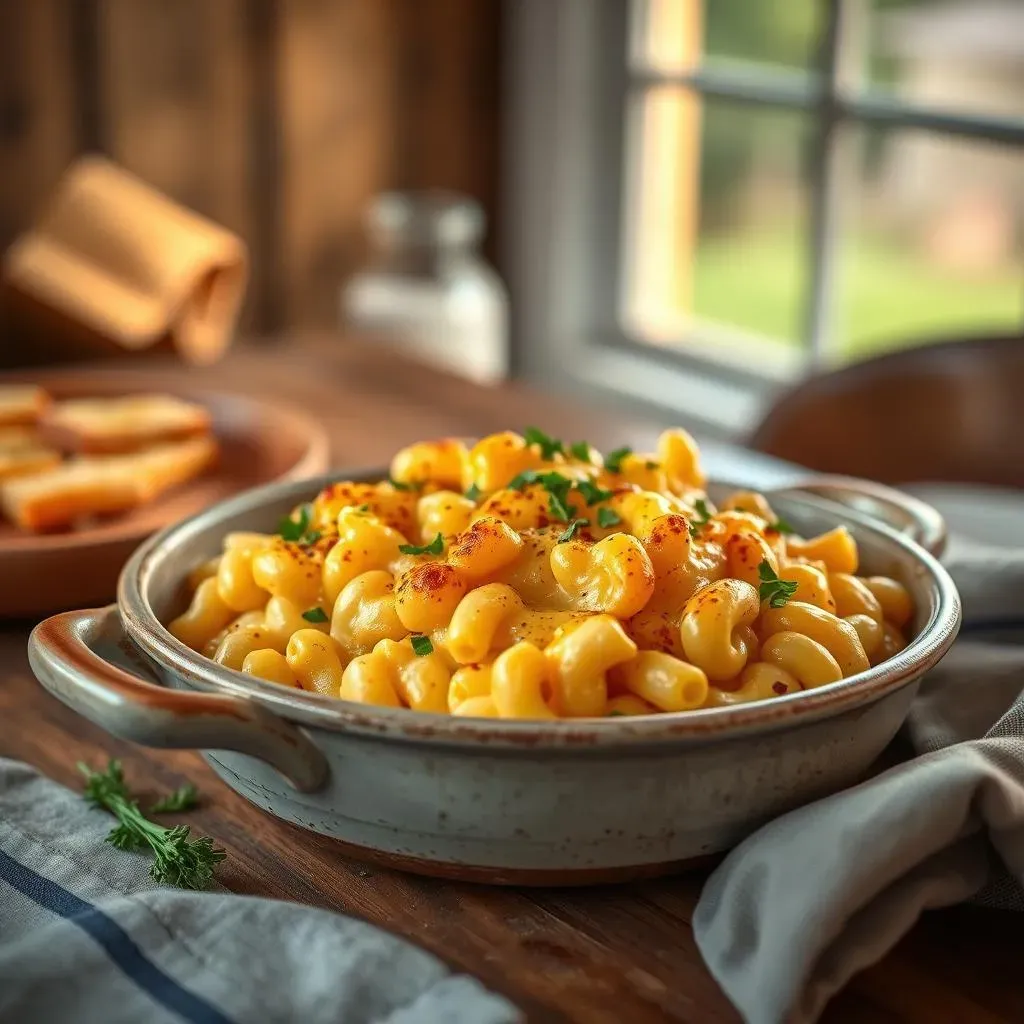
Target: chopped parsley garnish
[[528, 476], [591, 493], [363, 508], [557, 486], [412, 486], [567, 533], [549, 446], [608, 516], [421, 645], [296, 530], [292, 528], [580, 450], [651, 464], [613, 460], [558, 508], [435, 547], [473, 492], [772, 589], [315, 615], [781, 526], [703, 515]]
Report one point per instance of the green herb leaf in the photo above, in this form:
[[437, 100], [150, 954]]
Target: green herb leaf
[[292, 528], [435, 547], [556, 484], [591, 493], [473, 492], [296, 530], [567, 533], [701, 516], [558, 509], [580, 450], [363, 508], [99, 784], [781, 526], [558, 488], [615, 713], [413, 486], [182, 799], [772, 589], [549, 446], [608, 516], [176, 860], [315, 615], [521, 480], [421, 645], [613, 460], [651, 464]]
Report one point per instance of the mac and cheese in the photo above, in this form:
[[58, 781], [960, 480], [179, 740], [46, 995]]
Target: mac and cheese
[[526, 578]]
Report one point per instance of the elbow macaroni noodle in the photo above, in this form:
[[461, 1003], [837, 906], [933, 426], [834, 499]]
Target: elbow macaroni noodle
[[524, 578]]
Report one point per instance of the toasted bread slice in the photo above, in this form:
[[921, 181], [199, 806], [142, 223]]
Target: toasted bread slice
[[109, 425], [21, 461], [101, 485], [21, 404], [14, 438], [166, 465], [22, 451]]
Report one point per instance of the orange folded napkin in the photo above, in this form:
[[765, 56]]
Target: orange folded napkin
[[113, 264]]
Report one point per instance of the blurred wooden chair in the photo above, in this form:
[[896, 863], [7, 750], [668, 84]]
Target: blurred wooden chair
[[950, 411]]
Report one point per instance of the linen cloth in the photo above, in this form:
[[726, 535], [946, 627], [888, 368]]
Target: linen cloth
[[838, 882], [87, 936]]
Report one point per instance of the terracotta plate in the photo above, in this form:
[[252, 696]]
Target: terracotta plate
[[260, 442]]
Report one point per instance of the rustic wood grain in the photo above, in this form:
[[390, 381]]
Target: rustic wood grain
[[336, 74], [448, 113], [609, 955], [38, 131], [175, 96], [176, 100], [278, 118]]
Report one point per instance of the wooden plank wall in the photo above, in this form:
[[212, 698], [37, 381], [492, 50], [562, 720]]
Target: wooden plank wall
[[38, 131], [279, 118]]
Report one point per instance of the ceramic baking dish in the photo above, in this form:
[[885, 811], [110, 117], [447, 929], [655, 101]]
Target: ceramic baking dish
[[573, 801]]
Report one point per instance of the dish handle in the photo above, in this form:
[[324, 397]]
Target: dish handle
[[65, 654], [903, 512]]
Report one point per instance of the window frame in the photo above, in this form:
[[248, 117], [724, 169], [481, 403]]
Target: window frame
[[569, 87]]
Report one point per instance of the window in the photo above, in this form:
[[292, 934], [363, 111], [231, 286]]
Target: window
[[710, 197]]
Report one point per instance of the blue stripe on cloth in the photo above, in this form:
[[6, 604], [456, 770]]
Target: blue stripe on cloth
[[117, 943]]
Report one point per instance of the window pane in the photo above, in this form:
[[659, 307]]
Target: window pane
[[931, 240], [956, 56], [676, 35], [717, 221]]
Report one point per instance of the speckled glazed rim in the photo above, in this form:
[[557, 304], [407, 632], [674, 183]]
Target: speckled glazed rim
[[706, 725]]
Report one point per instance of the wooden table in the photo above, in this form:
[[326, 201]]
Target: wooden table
[[619, 954]]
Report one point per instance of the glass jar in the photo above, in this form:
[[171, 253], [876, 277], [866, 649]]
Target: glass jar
[[427, 290]]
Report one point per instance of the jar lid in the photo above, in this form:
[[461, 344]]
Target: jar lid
[[426, 218]]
